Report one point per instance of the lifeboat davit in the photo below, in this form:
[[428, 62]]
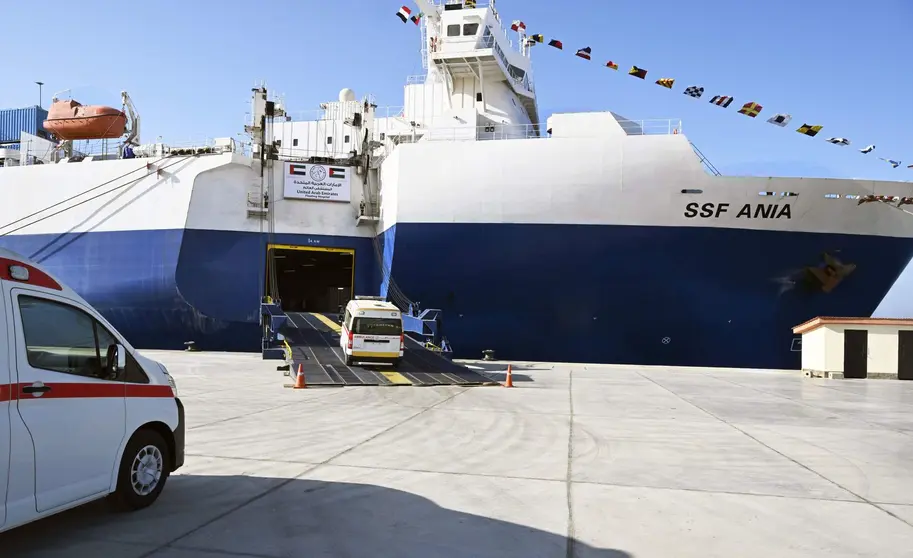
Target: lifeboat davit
[[69, 120]]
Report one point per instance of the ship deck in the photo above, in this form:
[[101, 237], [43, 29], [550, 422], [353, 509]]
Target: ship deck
[[587, 461]]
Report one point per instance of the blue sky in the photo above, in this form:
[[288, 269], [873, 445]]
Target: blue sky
[[839, 63], [189, 66]]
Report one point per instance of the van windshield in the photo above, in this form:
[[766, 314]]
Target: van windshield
[[377, 326]]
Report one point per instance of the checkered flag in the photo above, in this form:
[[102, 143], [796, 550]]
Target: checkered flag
[[694, 91]]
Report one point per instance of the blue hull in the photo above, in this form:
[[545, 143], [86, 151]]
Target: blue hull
[[635, 295], [621, 294], [161, 288]]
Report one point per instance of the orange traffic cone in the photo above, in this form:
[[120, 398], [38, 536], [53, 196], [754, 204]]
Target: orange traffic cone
[[299, 379], [510, 378]]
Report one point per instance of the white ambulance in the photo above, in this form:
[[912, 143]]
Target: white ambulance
[[82, 415], [372, 330]]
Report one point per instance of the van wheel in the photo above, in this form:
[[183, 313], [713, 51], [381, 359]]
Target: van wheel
[[143, 471], [348, 360], [396, 362]]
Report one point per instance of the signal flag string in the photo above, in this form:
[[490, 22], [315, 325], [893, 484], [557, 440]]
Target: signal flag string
[[750, 109]]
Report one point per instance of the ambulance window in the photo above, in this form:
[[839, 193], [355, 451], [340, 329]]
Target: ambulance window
[[133, 372], [60, 337], [377, 326]]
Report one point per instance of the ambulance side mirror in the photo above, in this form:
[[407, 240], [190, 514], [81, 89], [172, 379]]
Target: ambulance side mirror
[[117, 360]]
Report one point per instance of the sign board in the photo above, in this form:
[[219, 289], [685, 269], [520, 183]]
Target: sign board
[[304, 181]]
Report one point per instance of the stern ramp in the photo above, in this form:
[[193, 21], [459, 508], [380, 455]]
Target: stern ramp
[[313, 343]]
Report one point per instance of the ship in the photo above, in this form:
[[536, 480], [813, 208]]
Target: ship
[[589, 237]]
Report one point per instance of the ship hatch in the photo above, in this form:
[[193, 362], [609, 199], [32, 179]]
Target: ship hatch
[[311, 279]]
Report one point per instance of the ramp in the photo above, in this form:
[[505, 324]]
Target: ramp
[[314, 342]]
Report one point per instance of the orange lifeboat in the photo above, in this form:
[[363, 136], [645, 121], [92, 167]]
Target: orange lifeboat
[[69, 120]]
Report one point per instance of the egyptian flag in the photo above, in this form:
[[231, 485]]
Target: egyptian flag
[[404, 14], [585, 53]]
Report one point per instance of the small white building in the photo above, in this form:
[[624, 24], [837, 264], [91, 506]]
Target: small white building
[[857, 347]]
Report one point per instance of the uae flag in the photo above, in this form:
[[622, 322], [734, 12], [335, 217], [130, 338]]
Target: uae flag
[[337, 172], [404, 14], [297, 170]]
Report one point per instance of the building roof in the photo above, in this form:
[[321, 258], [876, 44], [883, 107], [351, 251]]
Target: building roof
[[822, 321]]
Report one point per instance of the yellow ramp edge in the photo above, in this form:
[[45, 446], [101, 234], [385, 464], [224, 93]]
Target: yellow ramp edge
[[327, 322], [396, 378]]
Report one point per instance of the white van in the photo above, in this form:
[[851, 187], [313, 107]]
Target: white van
[[372, 330], [82, 414]]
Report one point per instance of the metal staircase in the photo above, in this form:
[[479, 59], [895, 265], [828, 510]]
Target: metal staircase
[[706, 162]]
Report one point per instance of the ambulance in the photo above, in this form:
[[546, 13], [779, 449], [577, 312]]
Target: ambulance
[[83, 416], [372, 331]]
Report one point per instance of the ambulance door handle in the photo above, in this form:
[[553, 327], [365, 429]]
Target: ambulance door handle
[[37, 387]]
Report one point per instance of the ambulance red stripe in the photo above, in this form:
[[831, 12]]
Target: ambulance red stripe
[[90, 391]]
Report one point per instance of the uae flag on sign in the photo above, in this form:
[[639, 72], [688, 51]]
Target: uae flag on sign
[[404, 14], [297, 170], [337, 172]]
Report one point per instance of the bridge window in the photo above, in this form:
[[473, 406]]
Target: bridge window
[[453, 30], [479, 97], [295, 142], [789, 194], [692, 191], [329, 140], [767, 193], [516, 72], [470, 29], [345, 139], [832, 196]]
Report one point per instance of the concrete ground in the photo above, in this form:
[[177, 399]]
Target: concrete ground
[[586, 461]]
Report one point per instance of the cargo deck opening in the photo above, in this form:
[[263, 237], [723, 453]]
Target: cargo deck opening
[[312, 279]]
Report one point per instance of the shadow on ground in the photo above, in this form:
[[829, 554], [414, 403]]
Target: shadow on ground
[[497, 370], [256, 516]]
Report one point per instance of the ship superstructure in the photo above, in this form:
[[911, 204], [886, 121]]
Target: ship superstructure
[[588, 238]]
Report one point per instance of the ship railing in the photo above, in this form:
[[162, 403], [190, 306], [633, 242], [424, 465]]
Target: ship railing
[[112, 149], [651, 127], [534, 131], [320, 115]]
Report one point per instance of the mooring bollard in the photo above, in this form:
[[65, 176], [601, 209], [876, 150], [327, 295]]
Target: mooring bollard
[[488, 354]]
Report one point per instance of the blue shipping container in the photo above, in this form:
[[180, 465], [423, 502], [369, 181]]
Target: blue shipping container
[[29, 120]]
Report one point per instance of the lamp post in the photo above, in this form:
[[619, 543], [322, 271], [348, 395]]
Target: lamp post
[[40, 98]]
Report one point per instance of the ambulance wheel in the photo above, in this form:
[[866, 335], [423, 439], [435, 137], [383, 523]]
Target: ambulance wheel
[[144, 468]]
